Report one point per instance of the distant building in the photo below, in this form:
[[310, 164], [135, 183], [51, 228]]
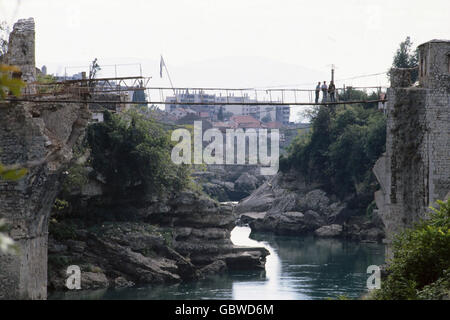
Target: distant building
[[204, 115], [179, 113], [222, 125], [97, 117], [182, 112], [77, 76], [273, 125], [235, 105], [187, 97], [283, 114], [245, 122]]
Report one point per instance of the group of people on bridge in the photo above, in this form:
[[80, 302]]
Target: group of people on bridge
[[326, 90]]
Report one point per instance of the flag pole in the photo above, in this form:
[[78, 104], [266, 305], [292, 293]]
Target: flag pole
[[168, 75]]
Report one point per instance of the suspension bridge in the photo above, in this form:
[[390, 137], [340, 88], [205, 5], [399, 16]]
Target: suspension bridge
[[102, 90]]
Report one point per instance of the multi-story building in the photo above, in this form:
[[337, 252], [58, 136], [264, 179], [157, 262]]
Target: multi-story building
[[234, 105], [283, 114]]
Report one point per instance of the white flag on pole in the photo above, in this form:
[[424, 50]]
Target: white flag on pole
[[161, 65]]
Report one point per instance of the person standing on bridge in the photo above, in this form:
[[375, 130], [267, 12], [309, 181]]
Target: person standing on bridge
[[324, 91], [317, 92], [332, 91]]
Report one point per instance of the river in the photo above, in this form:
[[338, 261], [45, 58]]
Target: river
[[297, 268]]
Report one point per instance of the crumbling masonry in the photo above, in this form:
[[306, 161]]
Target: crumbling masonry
[[415, 170], [42, 134]]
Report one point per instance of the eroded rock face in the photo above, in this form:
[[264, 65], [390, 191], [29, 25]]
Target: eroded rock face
[[39, 135], [286, 205], [290, 207], [181, 238], [229, 182]]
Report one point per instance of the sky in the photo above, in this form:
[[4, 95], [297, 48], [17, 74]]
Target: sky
[[230, 43]]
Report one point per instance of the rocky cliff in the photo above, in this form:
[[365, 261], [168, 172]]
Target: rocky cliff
[[182, 237], [288, 205], [229, 183]]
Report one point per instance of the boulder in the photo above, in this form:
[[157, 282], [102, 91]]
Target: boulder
[[372, 234], [242, 258], [330, 231], [93, 280], [288, 223], [217, 267], [316, 200], [121, 282], [249, 217], [246, 183]]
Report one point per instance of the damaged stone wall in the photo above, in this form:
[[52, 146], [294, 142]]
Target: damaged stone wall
[[415, 170], [21, 49], [39, 135]]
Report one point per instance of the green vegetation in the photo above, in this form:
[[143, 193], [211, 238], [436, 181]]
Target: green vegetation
[[340, 149], [75, 179], [220, 114], [404, 58], [62, 230], [420, 267], [266, 118], [133, 155], [8, 84]]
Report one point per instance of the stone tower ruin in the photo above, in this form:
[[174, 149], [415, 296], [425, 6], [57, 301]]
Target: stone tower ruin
[[32, 132], [21, 49], [415, 170]]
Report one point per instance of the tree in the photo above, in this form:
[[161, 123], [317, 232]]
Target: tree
[[227, 115], [267, 118], [4, 31], [341, 150], [93, 69], [405, 58], [133, 154], [220, 114]]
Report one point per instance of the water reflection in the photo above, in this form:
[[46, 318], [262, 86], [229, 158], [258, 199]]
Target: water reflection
[[270, 287], [297, 268]]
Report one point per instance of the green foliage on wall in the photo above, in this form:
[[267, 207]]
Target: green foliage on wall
[[420, 267]]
